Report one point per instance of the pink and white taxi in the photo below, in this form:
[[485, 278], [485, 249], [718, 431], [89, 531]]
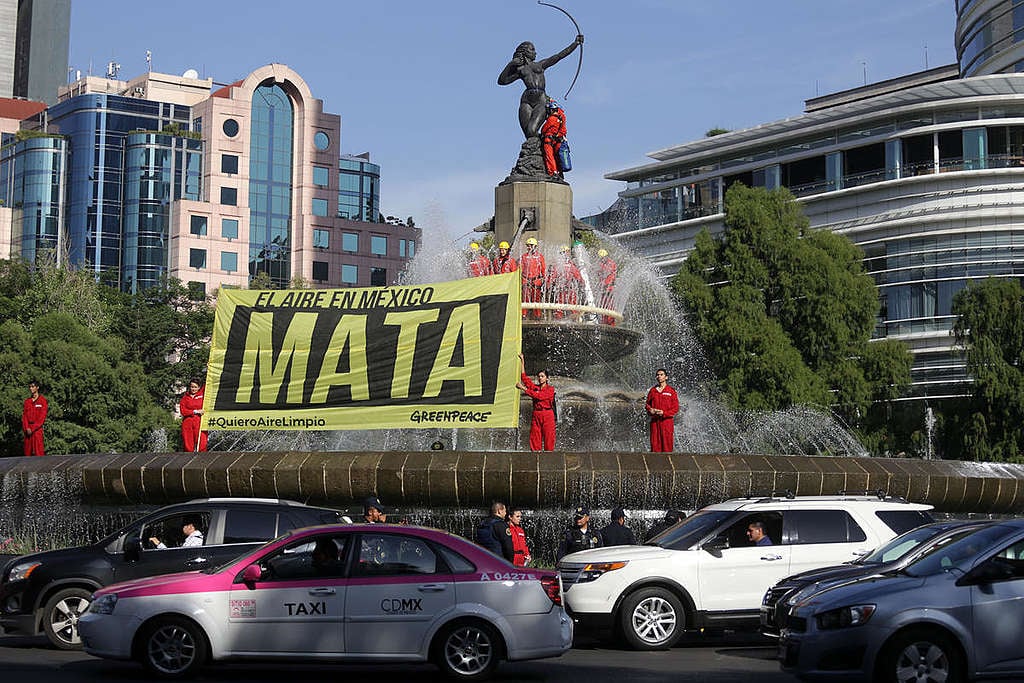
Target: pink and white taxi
[[365, 592]]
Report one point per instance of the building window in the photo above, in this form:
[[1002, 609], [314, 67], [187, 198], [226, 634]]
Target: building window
[[198, 225], [412, 248], [378, 245], [230, 127], [197, 291], [401, 248], [378, 277], [229, 163], [321, 141], [229, 228], [320, 271], [197, 125], [321, 238], [197, 258], [349, 274], [229, 196], [229, 261], [319, 207], [350, 241], [321, 176]]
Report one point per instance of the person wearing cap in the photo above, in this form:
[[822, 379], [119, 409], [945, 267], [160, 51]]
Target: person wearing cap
[[374, 511], [581, 536], [608, 271], [494, 533], [617, 533], [671, 518], [552, 133], [479, 264], [542, 425], [504, 263], [520, 550], [662, 405], [33, 417], [564, 281], [533, 269]]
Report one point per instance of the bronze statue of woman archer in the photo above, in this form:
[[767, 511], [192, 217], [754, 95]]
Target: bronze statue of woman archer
[[533, 103]]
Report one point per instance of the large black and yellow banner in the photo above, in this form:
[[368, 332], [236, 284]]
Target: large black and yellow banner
[[439, 355]]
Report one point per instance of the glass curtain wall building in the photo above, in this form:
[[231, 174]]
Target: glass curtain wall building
[[270, 184], [35, 194], [922, 172]]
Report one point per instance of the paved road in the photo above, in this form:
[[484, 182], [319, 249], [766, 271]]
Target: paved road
[[731, 659]]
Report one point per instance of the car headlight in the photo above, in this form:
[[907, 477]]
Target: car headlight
[[103, 604], [595, 570], [854, 615], [22, 571]]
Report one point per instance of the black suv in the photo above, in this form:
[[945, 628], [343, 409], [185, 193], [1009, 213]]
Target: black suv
[[46, 592]]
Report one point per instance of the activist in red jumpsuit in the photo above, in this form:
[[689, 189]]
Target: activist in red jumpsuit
[[191, 408], [552, 132], [520, 551], [534, 270], [542, 428], [608, 271], [479, 264], [504, 263], [33, 417], [662, 405], [564, 282]]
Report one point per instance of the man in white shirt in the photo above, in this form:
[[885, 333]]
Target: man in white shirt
[[193, 536]]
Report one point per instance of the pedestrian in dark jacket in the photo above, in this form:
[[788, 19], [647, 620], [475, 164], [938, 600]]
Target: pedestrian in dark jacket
[[672, 517], [617, 533], [494, 534], [581, 536]]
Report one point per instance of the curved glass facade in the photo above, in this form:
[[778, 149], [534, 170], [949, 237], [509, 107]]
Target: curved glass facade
[[37, 195], [270, 184], [158, 169], [987, 34]]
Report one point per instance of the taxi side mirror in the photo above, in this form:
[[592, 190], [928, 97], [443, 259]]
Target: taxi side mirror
[[252, 574]]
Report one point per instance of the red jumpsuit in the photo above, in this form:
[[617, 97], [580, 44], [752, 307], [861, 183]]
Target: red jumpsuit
[[521, 551], [552, 132], [533, 269], [564, 284], [504, 264], [609, 271], [33, 416], [187, 406], [662, 428], [542, 429], [479, 265]]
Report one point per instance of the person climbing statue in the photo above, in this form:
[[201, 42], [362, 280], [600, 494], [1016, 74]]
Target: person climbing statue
[[533, 269], [533, 103], [478, 264], [553, 135], [505, 263]]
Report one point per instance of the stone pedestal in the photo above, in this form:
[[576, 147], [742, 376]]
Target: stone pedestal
[[550, 203]]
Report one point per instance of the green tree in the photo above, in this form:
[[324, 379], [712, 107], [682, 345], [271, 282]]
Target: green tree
[[990, 329], [786, 313]]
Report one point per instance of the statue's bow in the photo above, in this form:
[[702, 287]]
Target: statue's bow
[[579, 65]]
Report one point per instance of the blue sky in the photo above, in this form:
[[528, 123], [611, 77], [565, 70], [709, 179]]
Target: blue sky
[[415, 82]]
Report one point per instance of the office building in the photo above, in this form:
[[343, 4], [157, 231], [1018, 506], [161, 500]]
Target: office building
[[175, 176], [34, 38], [923, 172]]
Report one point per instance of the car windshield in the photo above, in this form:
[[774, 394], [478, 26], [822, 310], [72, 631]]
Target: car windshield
[[691, 530], [899, 546], [959, 554]]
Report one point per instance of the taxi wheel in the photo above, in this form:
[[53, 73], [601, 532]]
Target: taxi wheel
[[60, 617], [921, 655], [468, 650], [173, 647], [652, 619]]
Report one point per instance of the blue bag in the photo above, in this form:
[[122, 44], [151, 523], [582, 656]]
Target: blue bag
[[564, 157]]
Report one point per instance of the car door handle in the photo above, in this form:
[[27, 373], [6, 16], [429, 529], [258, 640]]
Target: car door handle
[[196, 560], [433, 588], [771, 558], [321, 591]]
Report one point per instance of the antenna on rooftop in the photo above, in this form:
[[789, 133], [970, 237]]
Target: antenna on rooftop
[[864, 65], [926, 56], [149, 60], [112, 69]]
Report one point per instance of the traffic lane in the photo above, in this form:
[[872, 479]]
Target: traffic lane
[[698, 660]]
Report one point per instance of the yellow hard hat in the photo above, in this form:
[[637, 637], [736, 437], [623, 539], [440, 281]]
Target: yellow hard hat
[[503, 245], [602, 252], [532, 241], [474, 246], [564, 248]]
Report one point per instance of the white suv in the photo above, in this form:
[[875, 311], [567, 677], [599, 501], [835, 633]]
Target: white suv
[[704, 573]]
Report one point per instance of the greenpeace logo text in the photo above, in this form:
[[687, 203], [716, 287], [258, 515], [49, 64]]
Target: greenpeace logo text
[[465, 416]]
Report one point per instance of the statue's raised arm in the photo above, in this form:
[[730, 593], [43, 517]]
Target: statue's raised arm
[[532, 104]]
